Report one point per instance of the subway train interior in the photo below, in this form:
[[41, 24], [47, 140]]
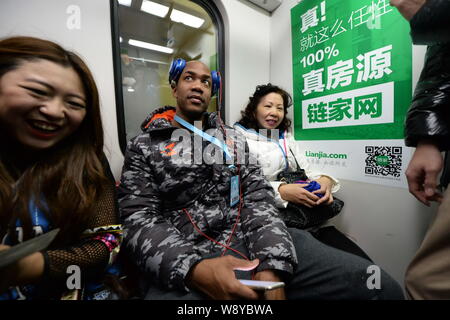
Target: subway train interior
[[129, 46]]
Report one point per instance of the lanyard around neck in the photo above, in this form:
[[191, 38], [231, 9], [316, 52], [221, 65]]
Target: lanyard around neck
[[204, 135], [284, 152]]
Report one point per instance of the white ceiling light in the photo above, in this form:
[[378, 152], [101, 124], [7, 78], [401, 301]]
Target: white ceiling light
[[185, 18], [148, 60], [149, 46], [154, 8], [125, 2]]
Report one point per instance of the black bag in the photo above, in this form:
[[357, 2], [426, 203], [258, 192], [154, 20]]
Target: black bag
[[291, 177], [300, 216]]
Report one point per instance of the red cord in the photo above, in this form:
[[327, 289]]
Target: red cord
[[220, 89], [219, 103], [211, 239], [227, 245]]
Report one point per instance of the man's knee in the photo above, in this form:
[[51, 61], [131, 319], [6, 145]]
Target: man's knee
[[376, 284], [390, 289]]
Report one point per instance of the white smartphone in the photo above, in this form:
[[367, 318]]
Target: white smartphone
[[262, 285]]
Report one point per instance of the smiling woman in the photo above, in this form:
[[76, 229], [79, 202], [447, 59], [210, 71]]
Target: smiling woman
[[267, 110], [41, 103], [53, 173]]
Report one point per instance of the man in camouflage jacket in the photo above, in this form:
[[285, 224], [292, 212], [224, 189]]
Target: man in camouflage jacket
[[156, 187], [179, 226]]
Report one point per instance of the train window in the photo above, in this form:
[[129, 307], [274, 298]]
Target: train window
[[147, 36]]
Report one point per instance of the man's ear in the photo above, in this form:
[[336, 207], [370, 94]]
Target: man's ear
[[173, 85]]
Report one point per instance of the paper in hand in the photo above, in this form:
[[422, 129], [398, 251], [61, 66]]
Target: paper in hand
[[26, 248]]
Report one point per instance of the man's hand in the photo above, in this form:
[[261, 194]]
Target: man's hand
[[423, 171], [297, 194], [325, 188], [215, 277], [269, 275], [408, 8]]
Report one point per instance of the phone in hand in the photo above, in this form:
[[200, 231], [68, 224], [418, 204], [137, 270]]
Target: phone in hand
[[311, 186], [262, 285]]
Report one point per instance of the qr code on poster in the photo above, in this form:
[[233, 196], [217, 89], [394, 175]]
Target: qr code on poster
[[384, 161]]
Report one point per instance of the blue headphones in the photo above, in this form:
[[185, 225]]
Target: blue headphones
[[177, 67]]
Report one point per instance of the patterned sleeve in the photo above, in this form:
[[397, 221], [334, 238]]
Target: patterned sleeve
[[157, 247], [265, 233]]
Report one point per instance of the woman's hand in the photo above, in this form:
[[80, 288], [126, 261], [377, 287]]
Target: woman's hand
[[325, 188], [297, 194], [4, 283], [24, 271]]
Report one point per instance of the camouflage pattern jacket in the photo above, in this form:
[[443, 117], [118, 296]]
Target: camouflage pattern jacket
[[159, 195]]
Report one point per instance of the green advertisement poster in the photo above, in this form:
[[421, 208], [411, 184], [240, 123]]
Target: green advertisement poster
[[352, 69]]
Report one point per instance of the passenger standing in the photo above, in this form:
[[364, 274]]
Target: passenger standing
[[428, 129]]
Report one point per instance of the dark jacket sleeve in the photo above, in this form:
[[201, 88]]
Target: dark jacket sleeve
[[266, 235], [428, 116], [157, 247], [431, 24]]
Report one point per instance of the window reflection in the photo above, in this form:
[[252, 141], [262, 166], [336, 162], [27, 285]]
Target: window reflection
[[152, 34]]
